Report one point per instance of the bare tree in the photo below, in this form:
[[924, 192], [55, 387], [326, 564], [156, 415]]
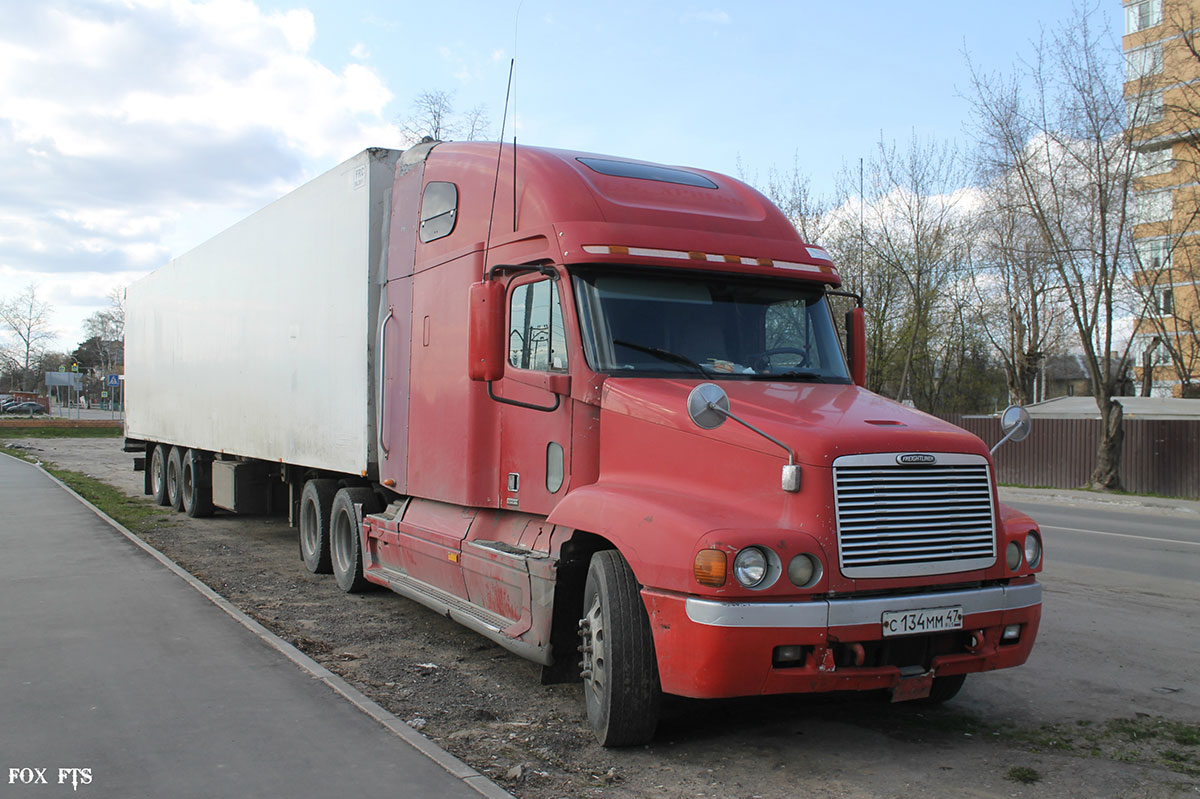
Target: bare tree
[[1057, 130], [1018, 305], [791, 192], [27, 318], [433, 117], [106, 334], [912, 233], [476, 123]]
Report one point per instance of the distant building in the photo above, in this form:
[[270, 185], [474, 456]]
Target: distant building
[[1067, 376], [1162, 93]]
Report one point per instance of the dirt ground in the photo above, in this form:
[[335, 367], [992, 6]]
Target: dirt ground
[[1105, 732]]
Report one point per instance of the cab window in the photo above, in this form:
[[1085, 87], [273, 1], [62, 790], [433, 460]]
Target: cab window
[[535, 338]]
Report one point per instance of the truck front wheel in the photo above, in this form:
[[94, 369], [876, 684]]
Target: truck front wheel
[[316, 503], [345, 537], [158, 474], [620, 671]]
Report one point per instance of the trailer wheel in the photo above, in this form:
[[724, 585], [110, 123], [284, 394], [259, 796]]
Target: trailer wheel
[[620, 671], [316, 502], [175, 478], [945, 688], [345, 537], [158, 474], [195, 484]]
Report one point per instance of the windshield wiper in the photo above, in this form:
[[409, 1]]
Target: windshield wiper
[[663, 355], [807, 375]]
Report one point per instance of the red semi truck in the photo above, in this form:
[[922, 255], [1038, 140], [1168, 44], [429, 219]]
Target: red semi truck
[[594, 409]]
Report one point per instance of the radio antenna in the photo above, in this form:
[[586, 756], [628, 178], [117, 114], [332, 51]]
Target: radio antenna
[[487, 246]]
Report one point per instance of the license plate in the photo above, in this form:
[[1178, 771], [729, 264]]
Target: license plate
[[927, 620]]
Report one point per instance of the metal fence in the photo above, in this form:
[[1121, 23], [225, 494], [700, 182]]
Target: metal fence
[[1158, 456]]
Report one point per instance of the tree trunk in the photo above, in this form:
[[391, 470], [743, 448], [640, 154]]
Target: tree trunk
[[1106, 476]]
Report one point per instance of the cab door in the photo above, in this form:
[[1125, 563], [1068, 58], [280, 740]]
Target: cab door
[[535, 435]]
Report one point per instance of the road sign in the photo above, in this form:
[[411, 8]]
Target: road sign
[[103, 395], [114, 380]]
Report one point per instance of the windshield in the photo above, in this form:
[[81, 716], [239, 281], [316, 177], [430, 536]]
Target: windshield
[[716, 326]]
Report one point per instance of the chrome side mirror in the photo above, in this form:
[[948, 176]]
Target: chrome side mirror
[[1015, 423], [708, 406]]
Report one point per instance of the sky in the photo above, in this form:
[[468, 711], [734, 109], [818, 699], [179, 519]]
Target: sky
[[133, 130]]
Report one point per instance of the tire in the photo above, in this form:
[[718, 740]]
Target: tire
[[345, 537], [195, 484], [175, 478], [316, 503], [945, 688], [620, 670], [158, 474]]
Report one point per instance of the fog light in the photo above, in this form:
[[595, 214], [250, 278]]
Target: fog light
[[1033, 549], [1012, 632], [750, 566], [804, 571], [788, 654], [1014, 556]]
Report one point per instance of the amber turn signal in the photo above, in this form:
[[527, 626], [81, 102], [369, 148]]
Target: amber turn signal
[[710, 567]]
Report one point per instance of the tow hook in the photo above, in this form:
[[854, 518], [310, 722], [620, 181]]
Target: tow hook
[[860, 654], [978, 641]]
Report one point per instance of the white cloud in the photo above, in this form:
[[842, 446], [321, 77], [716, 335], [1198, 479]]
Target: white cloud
[[130, 130]]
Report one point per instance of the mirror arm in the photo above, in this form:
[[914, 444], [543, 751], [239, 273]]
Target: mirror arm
[[1007, 436], [712, 406]]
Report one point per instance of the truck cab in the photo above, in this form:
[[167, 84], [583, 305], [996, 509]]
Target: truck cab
[[619, 434]]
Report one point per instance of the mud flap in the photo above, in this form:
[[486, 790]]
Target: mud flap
[[910, 688]]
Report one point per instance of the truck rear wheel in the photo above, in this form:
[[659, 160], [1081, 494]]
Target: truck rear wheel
[[620, 671], [316, 503], [195, 483], [158, 474], [175, 478], [345, 537]]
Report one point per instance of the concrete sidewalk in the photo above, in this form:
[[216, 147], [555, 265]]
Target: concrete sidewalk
[[119, 679]]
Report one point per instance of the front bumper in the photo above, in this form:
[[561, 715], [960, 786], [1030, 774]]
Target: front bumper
[[710, 648]]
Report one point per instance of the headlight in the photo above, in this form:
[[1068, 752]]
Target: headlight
[[804, 571], [1014, 556], [750, 567], [1033, 549]]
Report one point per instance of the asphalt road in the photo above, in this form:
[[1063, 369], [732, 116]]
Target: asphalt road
[[118, 679], [1149, 538]]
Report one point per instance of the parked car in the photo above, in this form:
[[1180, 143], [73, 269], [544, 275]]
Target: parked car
[[25, 407]]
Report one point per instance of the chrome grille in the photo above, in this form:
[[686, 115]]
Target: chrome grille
[[900, 520]]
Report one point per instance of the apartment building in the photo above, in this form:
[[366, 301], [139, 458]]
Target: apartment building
[[1162, 93]]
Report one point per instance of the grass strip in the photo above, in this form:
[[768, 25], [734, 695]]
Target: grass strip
[[10, 430], [135, 513]]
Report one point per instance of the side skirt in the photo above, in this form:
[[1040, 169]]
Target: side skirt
[[469, 615]]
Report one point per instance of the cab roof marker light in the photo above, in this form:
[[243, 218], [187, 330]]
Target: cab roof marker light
[[692, 255]]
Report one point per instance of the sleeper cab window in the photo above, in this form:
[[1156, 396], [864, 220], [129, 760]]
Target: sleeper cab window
[[439, 209], [535, 331]]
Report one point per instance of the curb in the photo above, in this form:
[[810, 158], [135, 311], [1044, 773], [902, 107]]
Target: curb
[[1094, 498], [478, 782]]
